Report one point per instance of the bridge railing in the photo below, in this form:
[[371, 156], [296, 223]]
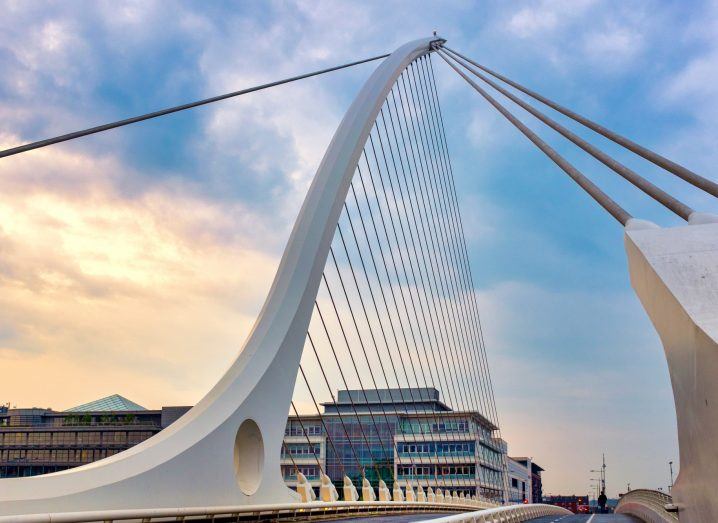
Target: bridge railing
[[509, 514], [273, 512], [648, 505]]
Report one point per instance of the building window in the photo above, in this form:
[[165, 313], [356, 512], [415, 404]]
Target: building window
[[310, 472], [300, 450], [294, 428]]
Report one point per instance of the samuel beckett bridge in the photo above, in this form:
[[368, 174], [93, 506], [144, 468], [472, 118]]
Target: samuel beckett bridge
[[370, 339]]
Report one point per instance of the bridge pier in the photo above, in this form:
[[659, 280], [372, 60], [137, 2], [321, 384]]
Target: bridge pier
[[674, 271]]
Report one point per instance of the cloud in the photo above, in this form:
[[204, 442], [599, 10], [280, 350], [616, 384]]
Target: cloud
[[135, 261], [685, 91], [530, 21], [90, 277], [541, 19], [614, 46]]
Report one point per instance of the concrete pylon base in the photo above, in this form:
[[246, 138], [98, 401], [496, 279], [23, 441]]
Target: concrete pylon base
[[674, 271]]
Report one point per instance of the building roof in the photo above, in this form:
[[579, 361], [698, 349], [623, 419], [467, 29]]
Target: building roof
[[412, 397], [111, 403], [534, 466]]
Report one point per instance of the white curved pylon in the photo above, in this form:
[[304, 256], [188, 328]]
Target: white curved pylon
[[674, 272], [225, 450]]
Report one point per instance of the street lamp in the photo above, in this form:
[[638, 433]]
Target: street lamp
[[670, 487]]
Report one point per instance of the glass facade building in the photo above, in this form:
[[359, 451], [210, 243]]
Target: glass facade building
[[407, 434], [39, 441]]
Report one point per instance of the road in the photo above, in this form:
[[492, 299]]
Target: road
[[408, 518], [405, 518], [586, 518]]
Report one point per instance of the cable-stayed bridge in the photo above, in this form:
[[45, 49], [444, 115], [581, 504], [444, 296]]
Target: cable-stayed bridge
[[374, 295]]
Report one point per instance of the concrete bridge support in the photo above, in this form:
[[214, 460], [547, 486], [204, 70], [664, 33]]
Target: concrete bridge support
[[674, 271]]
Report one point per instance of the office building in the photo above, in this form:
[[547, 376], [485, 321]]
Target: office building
[[536, 490], [524, 480], [407, 434], [40, 440]]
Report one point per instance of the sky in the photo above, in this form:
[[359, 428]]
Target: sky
[[136, 261]]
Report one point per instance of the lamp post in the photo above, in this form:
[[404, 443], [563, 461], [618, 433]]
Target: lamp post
[[670, 487]]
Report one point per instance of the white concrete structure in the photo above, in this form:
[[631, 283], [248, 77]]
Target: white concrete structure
[[510, 514], [675, 274], [230, 442], [647, 505]]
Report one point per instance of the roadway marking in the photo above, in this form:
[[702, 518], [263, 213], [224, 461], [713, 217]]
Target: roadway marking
[[591, 518]]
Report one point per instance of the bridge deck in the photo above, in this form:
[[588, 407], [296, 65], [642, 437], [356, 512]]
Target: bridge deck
[[577, 518], [585, 518]]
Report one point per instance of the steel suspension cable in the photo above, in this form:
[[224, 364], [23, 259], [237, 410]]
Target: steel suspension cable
[[369, 284], [432, 274], [324, 425], [392, 293], [366, 315], [346, 385], [170, 110], [655, 158], [361, 343], [451, 256], [378, 315], [401, 228], [441, 231], [438, 246], [294, 463], [671, 203], [468, 277], [467, 266], [410, 264], [449, 391], [306, 435], [587, 185], [442, 173], [396, 270]]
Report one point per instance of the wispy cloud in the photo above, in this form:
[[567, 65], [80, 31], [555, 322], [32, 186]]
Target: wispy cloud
[[135, 261]]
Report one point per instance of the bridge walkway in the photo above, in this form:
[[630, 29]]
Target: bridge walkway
[[576, 518], [586, 518]]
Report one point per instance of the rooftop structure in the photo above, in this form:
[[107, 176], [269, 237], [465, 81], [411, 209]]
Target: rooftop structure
[[36, 441], [115, 402]]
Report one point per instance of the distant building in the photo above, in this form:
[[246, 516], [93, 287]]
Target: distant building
[[421, 442], [38, 441], [519, 482], [571, 502], [535, 494]]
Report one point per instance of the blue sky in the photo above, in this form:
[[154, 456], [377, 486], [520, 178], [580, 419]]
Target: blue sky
[[135, 261]]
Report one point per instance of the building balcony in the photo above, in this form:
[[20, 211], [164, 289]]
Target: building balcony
[[448, 482], [303, 439], [436, 436], [310, 460]]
